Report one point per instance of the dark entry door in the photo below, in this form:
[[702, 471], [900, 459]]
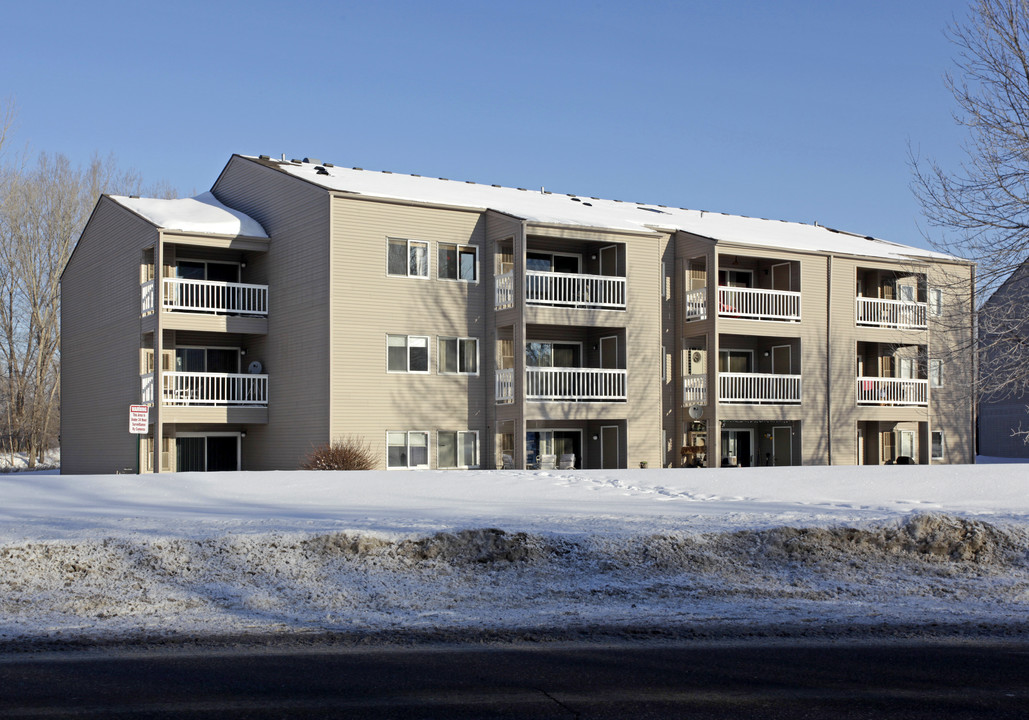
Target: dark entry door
[[222, 453]]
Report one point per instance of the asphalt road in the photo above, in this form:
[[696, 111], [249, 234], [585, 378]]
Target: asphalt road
[[684, 680]]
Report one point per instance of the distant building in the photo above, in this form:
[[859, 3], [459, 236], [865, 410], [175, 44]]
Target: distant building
[[454, 325], [1004, 415]]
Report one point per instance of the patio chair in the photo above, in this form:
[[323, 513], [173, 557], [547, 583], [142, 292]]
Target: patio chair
[[567, 462], [508, 462], [548, 462]]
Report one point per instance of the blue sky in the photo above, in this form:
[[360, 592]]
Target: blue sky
[[791, 110]]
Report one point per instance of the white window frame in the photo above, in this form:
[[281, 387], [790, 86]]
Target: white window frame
[[460, 248], [458, 448], [460, 355], [935, 302], [906, 368], [407, 354], [932, 445], [935, 373], [407, 449], [905, 437], [407, 265]]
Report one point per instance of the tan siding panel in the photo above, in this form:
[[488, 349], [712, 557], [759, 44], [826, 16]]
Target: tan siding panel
[[100, 341]]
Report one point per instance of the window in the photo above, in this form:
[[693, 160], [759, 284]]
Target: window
[[457, 449], [552, 262], [936, 373], [407, 449], [407, 353], [459, 355], [207, 270], [937, 442], [408, 258], [735, 361], [458, 262], [553, 354], [935, 302], [211, 360], [736, 278]]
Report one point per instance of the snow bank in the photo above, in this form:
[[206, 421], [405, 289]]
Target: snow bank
[[383, 553]]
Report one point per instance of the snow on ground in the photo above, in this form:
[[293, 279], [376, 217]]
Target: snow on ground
[[20, 461], [89, 557]]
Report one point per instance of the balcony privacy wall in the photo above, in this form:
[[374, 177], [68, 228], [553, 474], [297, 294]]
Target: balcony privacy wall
[[100, 341], [295, 353]]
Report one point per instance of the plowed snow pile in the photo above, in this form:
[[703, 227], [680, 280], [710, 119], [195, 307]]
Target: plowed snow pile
[[195, 567]]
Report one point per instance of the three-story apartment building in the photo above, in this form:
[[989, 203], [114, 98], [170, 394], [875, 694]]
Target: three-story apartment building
[[456, 325]]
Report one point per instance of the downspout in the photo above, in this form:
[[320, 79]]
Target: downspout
[[828, 365]]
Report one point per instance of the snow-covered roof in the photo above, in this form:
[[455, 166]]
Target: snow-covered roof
[[553, 208], [201, 214]]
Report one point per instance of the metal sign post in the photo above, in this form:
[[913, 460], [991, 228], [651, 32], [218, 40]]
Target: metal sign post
[[139, 422]]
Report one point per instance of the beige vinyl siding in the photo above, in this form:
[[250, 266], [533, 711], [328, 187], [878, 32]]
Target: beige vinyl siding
[[100, 341], [671, 388], [295, 353], [367, 304], [952, 406], [845, 335], [808, 354], [639, 324], [499, 228]]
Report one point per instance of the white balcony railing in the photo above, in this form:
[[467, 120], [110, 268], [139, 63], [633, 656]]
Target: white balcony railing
[[545, 383], [891, 313], [504, 291], [207, 389], [747, 303], [207, 296], [892, 391], [505, 385], [694, 390], [744, 388], [576, 290], [758, 388], [562, 290], [146, 298], [696, 304]]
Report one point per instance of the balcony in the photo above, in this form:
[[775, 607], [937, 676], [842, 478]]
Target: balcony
[[199, 389], [564, 384], [555, 289], [903, 314], [892, 391], [745, 389], [207, 296], [746, 303]]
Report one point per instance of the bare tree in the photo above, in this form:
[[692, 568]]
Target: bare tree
[[43, 209], [980, 210]]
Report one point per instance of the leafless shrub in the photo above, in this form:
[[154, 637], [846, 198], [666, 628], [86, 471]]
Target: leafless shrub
[[348, 453]]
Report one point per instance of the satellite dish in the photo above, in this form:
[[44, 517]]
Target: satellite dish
[[696, 412], [255, 367]]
